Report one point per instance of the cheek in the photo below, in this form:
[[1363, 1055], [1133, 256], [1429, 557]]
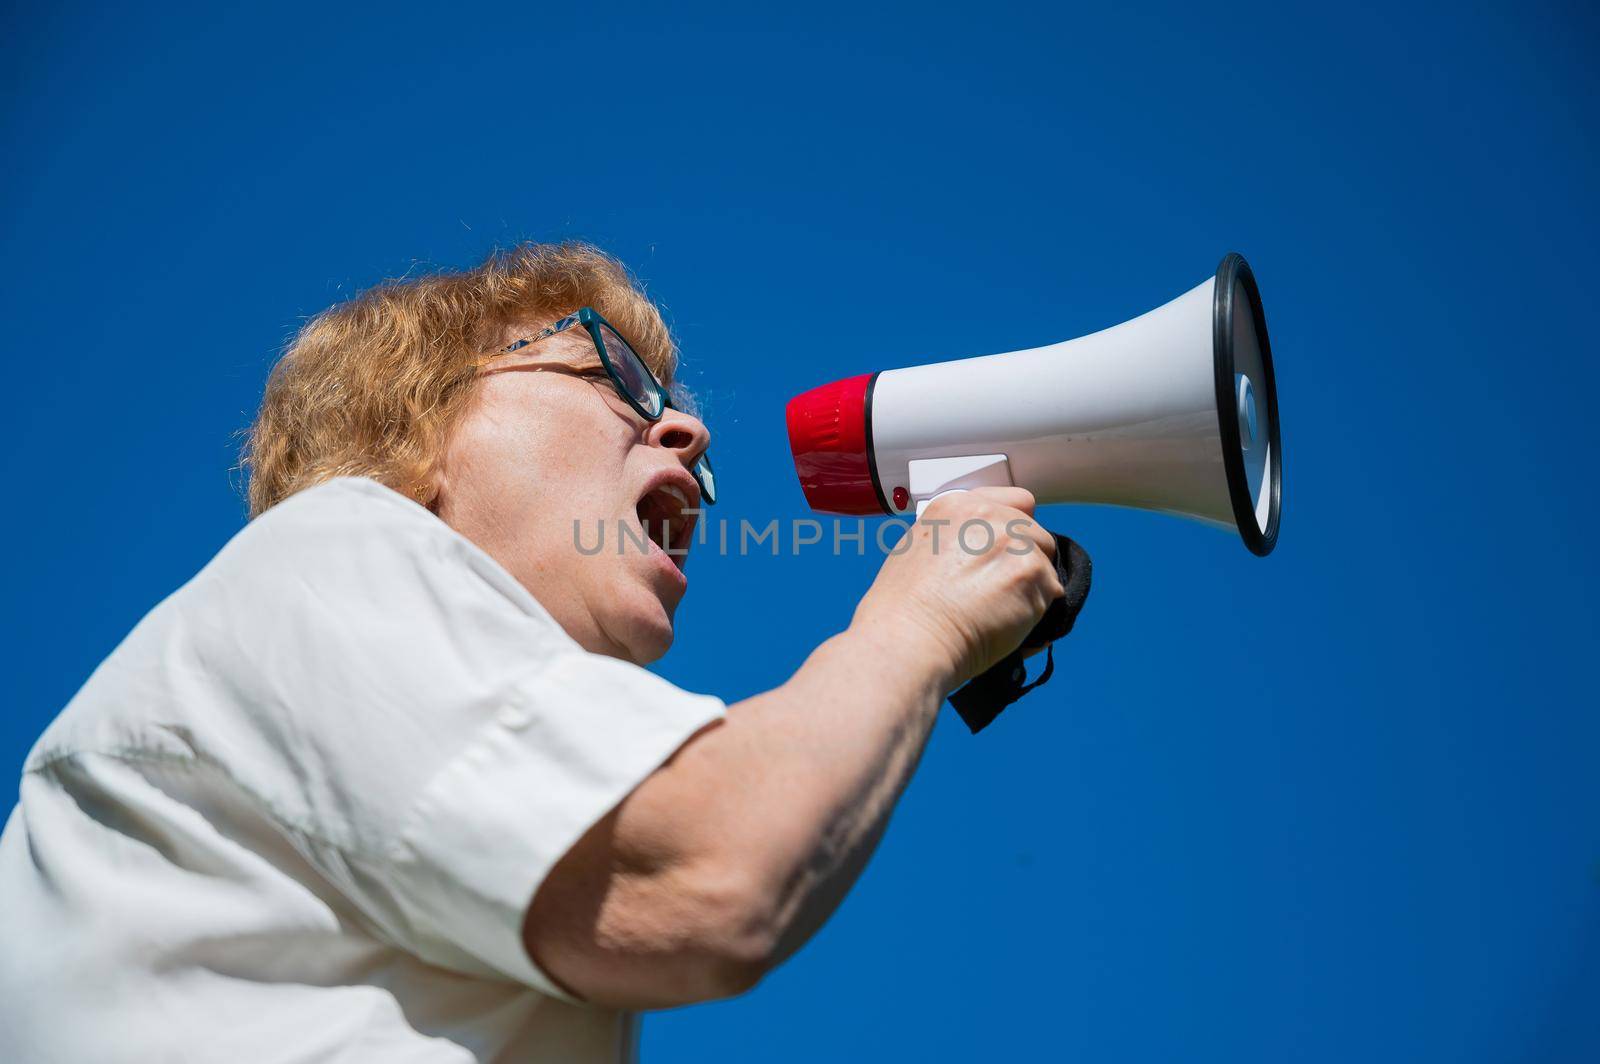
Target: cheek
[[583, 471], [541, 459]]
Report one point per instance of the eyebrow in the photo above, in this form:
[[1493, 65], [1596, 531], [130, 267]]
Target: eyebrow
[[570, 355]]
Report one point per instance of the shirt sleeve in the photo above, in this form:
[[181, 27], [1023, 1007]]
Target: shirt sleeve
[[566, 747], [415, 717]]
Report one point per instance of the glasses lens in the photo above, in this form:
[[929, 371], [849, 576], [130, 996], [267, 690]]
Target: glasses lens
[[707, 480], [630, 369]]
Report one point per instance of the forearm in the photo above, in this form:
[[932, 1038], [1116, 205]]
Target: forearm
[[793, 791], [728, 857]]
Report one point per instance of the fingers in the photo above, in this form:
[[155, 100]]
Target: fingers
[[1025, 530], [978, 568], [1016, 498], [1035, 535], [1009, 510]]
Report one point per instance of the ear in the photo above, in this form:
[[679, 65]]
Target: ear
[[430, 491]]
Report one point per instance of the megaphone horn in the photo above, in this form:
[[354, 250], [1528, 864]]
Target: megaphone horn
[[1174, 411]]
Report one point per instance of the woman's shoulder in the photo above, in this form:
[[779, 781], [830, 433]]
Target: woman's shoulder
[[346, 598]]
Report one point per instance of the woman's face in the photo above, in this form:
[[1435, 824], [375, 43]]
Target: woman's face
[[550, 459]]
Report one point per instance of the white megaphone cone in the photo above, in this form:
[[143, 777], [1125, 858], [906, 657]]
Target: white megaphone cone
[[1174, 411]]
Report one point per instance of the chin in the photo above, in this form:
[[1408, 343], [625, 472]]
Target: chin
[[648, 642], [656, 648], [643, 627]]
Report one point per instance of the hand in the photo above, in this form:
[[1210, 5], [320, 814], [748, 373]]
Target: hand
[[973, 576]]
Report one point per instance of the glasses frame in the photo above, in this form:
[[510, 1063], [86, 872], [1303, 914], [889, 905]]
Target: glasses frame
[[591, 321]]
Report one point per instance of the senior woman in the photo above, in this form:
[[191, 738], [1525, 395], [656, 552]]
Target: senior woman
[[387, 779]]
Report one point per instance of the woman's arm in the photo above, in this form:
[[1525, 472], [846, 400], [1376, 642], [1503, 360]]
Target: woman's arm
[[729, 857]]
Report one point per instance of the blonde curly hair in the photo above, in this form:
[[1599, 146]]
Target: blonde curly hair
[[373, 387]]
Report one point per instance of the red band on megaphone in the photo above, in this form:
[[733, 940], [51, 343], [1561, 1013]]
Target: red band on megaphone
[[829, 436]]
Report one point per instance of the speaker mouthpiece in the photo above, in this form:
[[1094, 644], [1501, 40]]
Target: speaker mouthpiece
[[830, 435]]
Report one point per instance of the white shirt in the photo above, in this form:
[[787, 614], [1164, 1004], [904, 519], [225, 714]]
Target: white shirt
[[299, 813]]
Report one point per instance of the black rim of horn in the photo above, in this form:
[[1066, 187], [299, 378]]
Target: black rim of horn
[[1234, 269]]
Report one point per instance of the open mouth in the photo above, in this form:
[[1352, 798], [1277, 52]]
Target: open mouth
[[662, 514]]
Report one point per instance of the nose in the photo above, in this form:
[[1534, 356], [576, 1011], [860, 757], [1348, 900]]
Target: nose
[[681, 432]]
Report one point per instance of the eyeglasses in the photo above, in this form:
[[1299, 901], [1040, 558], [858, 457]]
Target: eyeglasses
[[629, 374]]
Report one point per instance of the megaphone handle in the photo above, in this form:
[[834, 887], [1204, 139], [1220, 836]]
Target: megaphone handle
[[987, 694]]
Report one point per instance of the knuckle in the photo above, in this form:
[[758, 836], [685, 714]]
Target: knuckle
[[1044, 568]]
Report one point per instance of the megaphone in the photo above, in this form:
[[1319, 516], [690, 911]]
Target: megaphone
[[1174, 411]]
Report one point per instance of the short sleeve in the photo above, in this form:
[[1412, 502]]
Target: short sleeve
[[567, 746], [408, 713]]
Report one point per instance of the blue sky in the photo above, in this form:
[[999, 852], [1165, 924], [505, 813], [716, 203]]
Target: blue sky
[[1338, 804]]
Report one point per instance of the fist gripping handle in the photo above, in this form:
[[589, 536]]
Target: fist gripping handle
[[983, 697]]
